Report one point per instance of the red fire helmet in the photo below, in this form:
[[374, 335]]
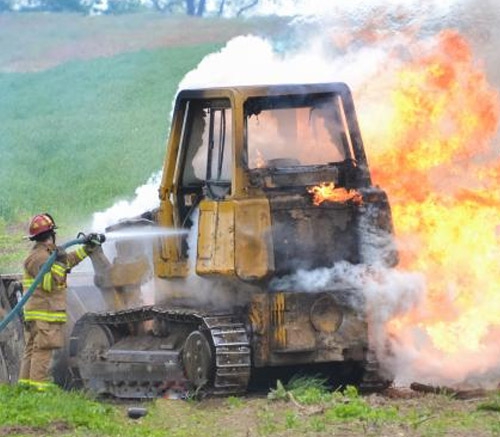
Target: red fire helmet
[[41, 223]]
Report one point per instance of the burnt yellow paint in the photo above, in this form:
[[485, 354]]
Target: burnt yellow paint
[[234, 239], [167, 260], [259, 316], [278, 311], [256, 316], [174, 141], [254, 253], [168, 263], [206, 235], [216, 238]]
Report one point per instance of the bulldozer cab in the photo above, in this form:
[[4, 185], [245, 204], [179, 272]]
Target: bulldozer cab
[[231, 151]]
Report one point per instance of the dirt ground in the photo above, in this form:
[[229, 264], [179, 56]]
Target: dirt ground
[[254, 415], [419, 414]]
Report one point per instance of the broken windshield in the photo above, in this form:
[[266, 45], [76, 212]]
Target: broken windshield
[[285, 131]]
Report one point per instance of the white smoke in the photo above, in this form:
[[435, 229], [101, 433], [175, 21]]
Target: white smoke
[[333, 50], [388, 293], [250, 60], [322, 8], [146, 198], [362, 43]]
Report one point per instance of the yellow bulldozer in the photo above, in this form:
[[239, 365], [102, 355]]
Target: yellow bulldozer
[[260, 185]]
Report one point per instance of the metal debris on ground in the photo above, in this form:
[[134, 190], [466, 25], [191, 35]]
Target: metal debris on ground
[[456, 393]]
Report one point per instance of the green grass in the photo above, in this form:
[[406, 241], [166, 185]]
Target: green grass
[[309, 390], [492, 404], [85, 108], [312, 408], [336, 407], [13, 247], [26, 411], [56, 38], [75, 138]]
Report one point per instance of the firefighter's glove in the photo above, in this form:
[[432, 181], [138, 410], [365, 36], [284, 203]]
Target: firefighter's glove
[[93, 241], [62, 256], [89, 248]]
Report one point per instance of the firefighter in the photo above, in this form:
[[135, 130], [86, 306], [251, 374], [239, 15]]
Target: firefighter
[[45, 312]]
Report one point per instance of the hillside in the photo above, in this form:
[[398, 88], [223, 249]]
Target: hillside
[[57, 38], [85, 108]]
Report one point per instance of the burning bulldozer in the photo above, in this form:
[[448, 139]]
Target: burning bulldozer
[[260, 182]]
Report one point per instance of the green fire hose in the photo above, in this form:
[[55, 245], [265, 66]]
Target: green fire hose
[[44, 269]]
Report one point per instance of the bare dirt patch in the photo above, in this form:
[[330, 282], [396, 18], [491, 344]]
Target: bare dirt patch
[[55, 428]]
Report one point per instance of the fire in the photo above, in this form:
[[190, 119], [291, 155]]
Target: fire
[[442, 176], [260, 162], [326, 191]]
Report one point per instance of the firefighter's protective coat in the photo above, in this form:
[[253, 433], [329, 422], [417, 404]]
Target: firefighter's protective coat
[[45, 312]]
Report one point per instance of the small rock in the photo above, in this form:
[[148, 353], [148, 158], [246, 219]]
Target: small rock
[[136, 412]]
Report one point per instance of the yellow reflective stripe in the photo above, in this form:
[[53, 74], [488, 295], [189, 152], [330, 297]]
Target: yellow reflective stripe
[[31, 318], [81, 253], [28, 280], [47, 282], [39, 385], [42, 385], [58, 270], [45, 316], [27, 283]]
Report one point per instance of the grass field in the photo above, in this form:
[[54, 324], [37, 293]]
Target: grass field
[[77, 136], [84, 109], [304, 408]]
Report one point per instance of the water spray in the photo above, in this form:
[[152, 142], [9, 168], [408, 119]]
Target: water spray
[[143, 233]]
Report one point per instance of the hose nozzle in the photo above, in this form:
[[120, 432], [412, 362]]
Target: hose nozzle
[[100, 238], [92, 238]]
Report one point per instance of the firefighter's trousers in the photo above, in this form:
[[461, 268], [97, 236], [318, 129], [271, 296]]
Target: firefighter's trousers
[[41, 338]]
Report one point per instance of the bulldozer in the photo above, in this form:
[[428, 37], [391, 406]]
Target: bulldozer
[[259, 185]]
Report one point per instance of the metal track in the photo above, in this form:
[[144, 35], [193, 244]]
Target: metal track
[[372, 381], [228, 340], [232, 355]]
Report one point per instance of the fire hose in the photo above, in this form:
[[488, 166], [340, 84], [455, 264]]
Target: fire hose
[[81, 238]]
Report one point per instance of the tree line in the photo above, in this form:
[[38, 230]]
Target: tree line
[[195, 8]]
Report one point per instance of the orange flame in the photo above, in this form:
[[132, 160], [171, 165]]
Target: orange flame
[[260, 162], [326, 191], [442, 177]]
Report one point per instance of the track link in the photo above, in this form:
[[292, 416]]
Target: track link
[[232, 355], [372, 380], [228, 339]]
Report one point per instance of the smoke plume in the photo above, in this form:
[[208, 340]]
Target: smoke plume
[[368, 45], [146, 198]]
